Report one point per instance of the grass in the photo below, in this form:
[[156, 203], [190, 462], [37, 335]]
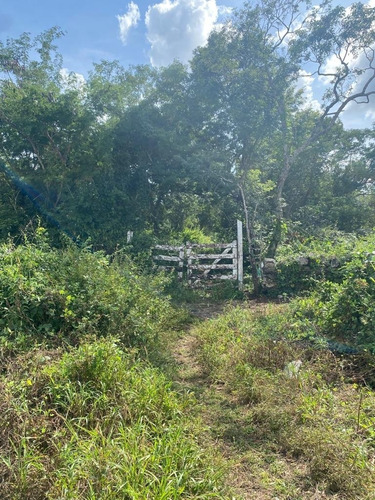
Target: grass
[[86, 415], [87, 410], [315, 418], [98, 423]]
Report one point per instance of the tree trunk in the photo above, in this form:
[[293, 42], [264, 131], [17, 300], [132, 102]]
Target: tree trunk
[[254, 265], [275, 240], [276, 233]]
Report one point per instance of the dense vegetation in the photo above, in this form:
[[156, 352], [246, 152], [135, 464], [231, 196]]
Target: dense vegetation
[[53, 296], [88, 405], [83, 413], [162, 151]]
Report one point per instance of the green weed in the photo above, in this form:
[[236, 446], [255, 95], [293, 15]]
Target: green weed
[[55, 297], [313, 413], [96, 423]]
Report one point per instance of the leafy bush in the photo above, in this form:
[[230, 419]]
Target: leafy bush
[[294, 278], [346, 311], [324, 256], [58, 295], [326, 242]]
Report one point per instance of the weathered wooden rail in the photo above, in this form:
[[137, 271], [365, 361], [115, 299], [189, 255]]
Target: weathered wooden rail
[[174, 255], [199, 263]]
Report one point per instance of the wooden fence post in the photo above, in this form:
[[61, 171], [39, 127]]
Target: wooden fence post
[[240, 255], [181, 256], [235, 260]]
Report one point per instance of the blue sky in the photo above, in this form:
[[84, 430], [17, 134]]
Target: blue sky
[[93, 27], [135, 32]]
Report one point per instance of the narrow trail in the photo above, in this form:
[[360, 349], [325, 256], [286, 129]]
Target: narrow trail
[[254, 472], [220, 415]]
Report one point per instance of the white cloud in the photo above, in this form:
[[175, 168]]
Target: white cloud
[[70, 79], [357, 116], [128, 20], [224, 10], [176, 28], [305, 83]]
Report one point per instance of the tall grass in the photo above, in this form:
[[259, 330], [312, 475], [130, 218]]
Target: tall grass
[[313, 412], [95, 423]]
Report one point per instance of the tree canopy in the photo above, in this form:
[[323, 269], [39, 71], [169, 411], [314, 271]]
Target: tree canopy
[[229, 136]]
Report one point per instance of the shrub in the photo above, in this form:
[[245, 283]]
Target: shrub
[[345, 311], [325, 257], [56, 296], [350, 312]]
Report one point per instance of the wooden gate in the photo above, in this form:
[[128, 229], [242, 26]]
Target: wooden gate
[[199, 263]]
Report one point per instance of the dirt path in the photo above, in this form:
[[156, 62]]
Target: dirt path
[[220, 415], [254, 472], [212, 402]]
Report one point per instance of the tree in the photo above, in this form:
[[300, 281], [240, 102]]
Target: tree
[[337, 43], [57, 132], [112, 89], [16, 210], [46, 129], [331, 182], [234, 78], [245, 82], [156, 158]]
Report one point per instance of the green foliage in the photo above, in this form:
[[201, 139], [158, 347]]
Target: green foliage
[[55, 296], [194, 234], [96, 423], [162, 152], [304, 261], [323, 242], [341, 272], [15, 209], [306, 410], [345, 310]]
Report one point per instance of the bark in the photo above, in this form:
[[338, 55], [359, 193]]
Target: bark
[[254, 265], [276, 233]]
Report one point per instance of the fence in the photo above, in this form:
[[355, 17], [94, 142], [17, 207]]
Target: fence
[[199, 263]]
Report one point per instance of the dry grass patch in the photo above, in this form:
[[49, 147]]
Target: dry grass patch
[[313, 416]]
